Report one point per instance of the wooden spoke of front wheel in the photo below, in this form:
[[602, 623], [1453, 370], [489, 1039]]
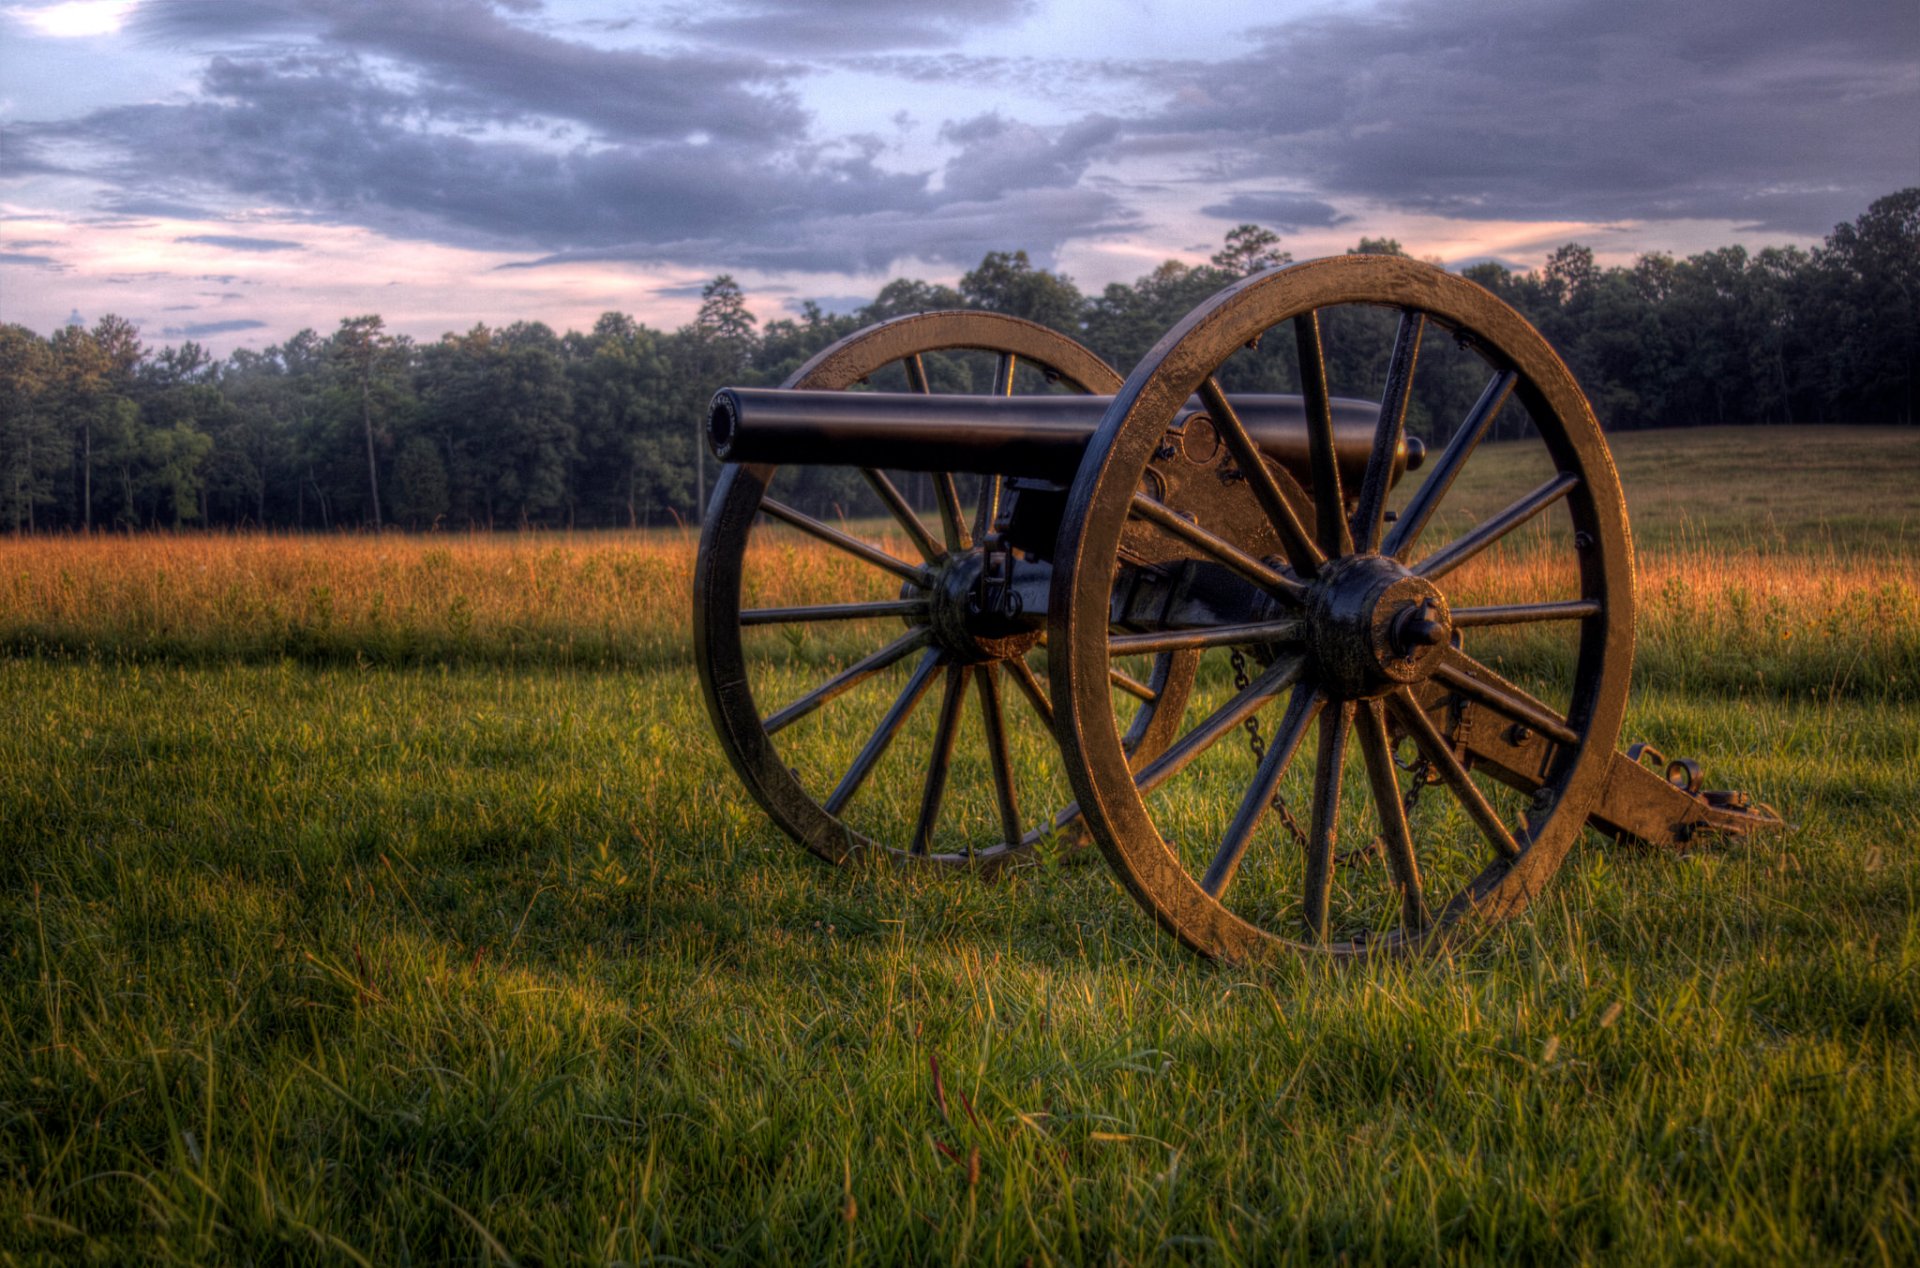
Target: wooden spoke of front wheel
[[1030, 687], [908, 519], [1259, 795], [1525, 613], [834, 612], [1336, 722], [851, 545], [1491, 530], [1434, 746], [1426, 499], [1154, 641], [953, 523], [1278, 677], [1482, 686], [1002, 761], [1386, 436], [1371, 729], [1221, 550], [941, 758], [1305, 557], [890, 724], [1329, 503], [847, 679]]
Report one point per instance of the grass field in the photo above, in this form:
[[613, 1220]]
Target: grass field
[[386, 901]]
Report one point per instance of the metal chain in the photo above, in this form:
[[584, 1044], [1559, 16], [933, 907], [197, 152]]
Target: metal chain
[[1421, 769], [1257, 743]]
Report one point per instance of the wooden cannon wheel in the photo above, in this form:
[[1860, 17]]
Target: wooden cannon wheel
[[916, 635], [1371, 623]]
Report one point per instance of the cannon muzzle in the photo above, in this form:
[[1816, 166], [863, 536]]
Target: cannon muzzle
[[1040, 437]]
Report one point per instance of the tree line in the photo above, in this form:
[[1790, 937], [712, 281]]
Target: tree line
[[517, 425]]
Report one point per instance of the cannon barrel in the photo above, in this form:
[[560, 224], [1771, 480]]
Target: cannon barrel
[[1042, 437]]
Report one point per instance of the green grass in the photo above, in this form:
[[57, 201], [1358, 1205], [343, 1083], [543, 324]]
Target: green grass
[[315, 961]]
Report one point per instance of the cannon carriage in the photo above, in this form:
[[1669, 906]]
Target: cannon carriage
[[1220, 630]]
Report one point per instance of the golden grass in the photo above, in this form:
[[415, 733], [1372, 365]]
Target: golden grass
[[1745, 617], [598, 598]]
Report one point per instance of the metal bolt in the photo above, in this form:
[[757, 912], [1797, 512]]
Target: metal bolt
[[1519, 733], [1582, 541]]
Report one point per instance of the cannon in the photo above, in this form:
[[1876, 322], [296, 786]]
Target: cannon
[[1211, 616]]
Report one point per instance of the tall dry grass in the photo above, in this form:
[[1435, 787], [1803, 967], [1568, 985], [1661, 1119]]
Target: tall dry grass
[[1741, 620]]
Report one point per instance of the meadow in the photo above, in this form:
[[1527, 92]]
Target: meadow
[[386, 900]]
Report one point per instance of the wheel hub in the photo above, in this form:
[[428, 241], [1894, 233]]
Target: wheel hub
[[1373, 625], [967, 633]]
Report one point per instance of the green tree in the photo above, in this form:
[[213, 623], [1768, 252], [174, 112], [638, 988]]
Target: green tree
[[30, 437], [1250, 249], [717, 348], [368, 364], [1007, 282]]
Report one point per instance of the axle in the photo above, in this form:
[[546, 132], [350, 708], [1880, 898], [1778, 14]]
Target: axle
[[1039, 437]]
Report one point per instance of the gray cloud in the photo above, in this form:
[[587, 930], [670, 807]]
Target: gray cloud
[[999, 154], [204, 329], [470, 123], [1277, 209], [840, 26], [470, 60], [26, 260], [1781, 113], [120, 204], [955, 234], [235, 242], [832, 305]]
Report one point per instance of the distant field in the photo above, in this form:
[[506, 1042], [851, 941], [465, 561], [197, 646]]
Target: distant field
[[385, 900]]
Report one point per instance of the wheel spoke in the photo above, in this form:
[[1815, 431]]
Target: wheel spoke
[[1288, 631], [988, 509], [1030, 687], [1132, 686], [1301, 552], [953, 523], [847, 679], [834, 612], [1386, 436], [1335, 724], [1329, 503], [1003, 374], [1482, 686], [1259, 795], [941, 758], [1525, 613], [1434, 747], [890, 724], [851, 545], [904, 514], [996, 728], [1277, 678], [1219, 548], [1374, 747], [916, 374], [1426, 499], [1489, 531]]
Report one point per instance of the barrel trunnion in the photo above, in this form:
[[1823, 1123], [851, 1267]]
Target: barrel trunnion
[[1222, 585]]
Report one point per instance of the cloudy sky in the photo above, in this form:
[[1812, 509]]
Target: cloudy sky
[[233, 170]]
